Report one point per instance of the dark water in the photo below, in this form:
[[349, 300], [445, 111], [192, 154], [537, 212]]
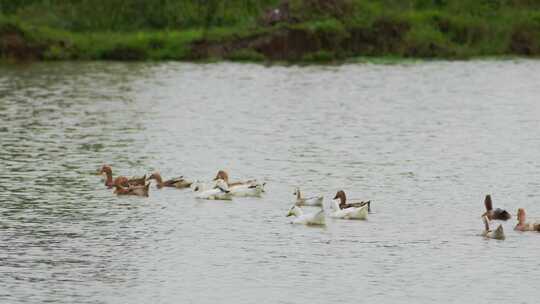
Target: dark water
[[425, 142]]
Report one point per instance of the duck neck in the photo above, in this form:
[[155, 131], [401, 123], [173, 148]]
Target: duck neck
[[342, 199], [488, 203], [298, 194], [521, 216], [109, 180], [159, 180]]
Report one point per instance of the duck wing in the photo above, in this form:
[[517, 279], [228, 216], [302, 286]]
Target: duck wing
[[500, 214], [173, 181]]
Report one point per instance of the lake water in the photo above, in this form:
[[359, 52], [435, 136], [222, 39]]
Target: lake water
[[424, 141]]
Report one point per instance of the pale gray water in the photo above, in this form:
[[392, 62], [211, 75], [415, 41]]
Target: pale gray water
[[425, 142]]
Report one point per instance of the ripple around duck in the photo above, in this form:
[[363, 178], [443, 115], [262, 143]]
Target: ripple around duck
[[425, 142]]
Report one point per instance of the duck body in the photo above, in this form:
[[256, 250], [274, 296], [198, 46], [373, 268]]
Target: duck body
[[178, 182], [301, 218], [255, 190], [120, 180], [315, 201], [499, 214], [350, 213], [219, 192], [497, 234], [132, 190]]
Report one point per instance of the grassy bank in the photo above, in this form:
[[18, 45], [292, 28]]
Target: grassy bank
[[313, 31]]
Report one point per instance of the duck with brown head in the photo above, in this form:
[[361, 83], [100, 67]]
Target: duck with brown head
[[120, 180], [343, 204], [179, 182], [497, 214], [248, 188], [522, 224]]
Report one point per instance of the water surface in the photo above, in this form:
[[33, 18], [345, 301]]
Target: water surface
[[425, 142]]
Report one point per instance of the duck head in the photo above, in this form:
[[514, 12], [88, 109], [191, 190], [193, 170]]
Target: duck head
[[294, 211], [155, 176], [222, 175], [341, 196], [106, 169]]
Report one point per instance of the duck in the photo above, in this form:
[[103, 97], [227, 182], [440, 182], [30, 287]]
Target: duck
[[131, 190], [497, 234], [248, 188], [315, 219], [222, 174], [343, 201], [219, 192], [121, 180], [350, 213], [316, 201], [178, 182], [255, 190], [522, 224], [497, 214]]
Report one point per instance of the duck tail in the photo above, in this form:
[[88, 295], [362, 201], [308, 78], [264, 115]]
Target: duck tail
[[368, 205]]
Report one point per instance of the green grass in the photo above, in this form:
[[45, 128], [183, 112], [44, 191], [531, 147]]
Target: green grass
[[326, 31]]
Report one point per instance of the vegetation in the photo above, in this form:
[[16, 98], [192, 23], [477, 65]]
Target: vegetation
[[306, 30]]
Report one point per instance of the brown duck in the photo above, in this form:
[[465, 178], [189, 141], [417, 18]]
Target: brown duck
[[120, 180], [522, 224], [343, 201], [179, 182], [132, 190]]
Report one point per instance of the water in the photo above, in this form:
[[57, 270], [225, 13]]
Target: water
[[425, 142]]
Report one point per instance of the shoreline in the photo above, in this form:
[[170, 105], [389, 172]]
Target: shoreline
[[326, 43]]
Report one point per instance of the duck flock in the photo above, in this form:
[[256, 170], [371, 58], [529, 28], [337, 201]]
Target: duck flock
[[221, 188]]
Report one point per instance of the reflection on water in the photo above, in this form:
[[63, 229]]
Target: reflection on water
[[425, 142]]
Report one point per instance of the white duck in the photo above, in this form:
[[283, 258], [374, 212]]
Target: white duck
[[219, 192], [248, 188], [255, 190], [306, 219], [351, 213], [316, 201], [497, 234]]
